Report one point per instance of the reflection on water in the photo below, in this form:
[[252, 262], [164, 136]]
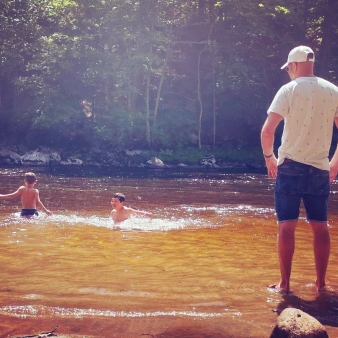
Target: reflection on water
[[207, 255]]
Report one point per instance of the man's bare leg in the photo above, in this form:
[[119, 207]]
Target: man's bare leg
[[321, 249], [286, 248]]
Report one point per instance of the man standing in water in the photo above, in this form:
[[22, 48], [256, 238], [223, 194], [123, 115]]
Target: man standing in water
[[120, 213], [309, 107]]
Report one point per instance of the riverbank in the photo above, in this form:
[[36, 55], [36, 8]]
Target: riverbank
[[217, 158]]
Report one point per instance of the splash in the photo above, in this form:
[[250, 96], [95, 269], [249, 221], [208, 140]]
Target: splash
[[174, 218], [72, 220]]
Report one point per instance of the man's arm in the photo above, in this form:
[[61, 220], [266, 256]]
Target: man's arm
[[267, 141], [334, 160], [12, 195], [40, 204]]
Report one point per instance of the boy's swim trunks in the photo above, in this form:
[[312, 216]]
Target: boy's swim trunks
[[29, 212]]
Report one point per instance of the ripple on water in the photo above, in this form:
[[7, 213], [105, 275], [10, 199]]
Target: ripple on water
[[30, 311], [232, 209]]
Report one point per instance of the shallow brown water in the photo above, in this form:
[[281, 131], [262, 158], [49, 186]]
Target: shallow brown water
[[199, 268]]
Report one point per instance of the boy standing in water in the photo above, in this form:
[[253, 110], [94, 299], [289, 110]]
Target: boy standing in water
[[120, 213], [30, 198]]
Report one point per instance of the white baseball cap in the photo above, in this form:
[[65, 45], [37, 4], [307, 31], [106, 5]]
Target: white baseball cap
[[300, 54]]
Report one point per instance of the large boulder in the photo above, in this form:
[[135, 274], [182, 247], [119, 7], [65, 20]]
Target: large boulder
[[8, 156], [34, 158], [53, 156], [41, 156], [294, 323]]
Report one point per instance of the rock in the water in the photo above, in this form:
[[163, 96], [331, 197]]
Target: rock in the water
[[294, 323]]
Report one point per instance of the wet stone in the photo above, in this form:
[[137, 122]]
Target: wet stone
[[293, 323]]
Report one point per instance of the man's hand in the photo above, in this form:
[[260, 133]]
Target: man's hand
[[271, 165], [333, 172]]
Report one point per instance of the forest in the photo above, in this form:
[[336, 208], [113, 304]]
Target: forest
[[106, 75]]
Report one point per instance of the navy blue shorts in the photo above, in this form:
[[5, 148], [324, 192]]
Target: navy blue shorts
[[297, 181], [29, 212]]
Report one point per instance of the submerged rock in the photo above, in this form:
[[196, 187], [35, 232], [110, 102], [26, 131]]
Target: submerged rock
[[294, 323]]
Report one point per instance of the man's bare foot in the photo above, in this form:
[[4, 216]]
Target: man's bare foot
[[277, 288], [325, 288], [320, 286]]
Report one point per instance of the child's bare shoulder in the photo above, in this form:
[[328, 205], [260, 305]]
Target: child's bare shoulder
[[128, 210], [22, 188]]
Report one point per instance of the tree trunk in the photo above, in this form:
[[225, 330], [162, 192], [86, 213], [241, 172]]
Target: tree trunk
[[213, 98], [199, 98], [159, 89], [324, 55]]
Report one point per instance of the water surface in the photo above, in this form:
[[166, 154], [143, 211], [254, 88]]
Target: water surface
[[199, 268]]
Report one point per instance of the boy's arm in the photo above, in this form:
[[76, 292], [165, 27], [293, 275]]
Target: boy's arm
[[40, 204], [142, 213], [112, 214], [12, 195]]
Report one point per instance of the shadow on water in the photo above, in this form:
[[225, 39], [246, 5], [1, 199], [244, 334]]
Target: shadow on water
[[324, 307]]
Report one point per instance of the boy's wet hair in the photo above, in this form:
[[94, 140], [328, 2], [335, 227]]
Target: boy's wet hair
[[30, 178], [120, 197]]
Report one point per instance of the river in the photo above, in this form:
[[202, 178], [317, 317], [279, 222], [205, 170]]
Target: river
[[199, 268]]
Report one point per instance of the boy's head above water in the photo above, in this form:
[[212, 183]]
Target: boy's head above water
[[119, 196], [30, 178]]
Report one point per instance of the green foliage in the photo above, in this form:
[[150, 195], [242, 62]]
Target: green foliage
[[134, 63], [187, 155], [175, 129]]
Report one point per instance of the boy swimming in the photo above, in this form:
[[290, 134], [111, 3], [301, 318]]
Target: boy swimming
[[120, 213], [30, 198]]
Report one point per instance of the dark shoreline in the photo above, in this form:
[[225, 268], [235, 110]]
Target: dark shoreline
[[138, 172]]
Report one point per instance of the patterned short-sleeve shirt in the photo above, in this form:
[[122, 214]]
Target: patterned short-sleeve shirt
[[308, 106]]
